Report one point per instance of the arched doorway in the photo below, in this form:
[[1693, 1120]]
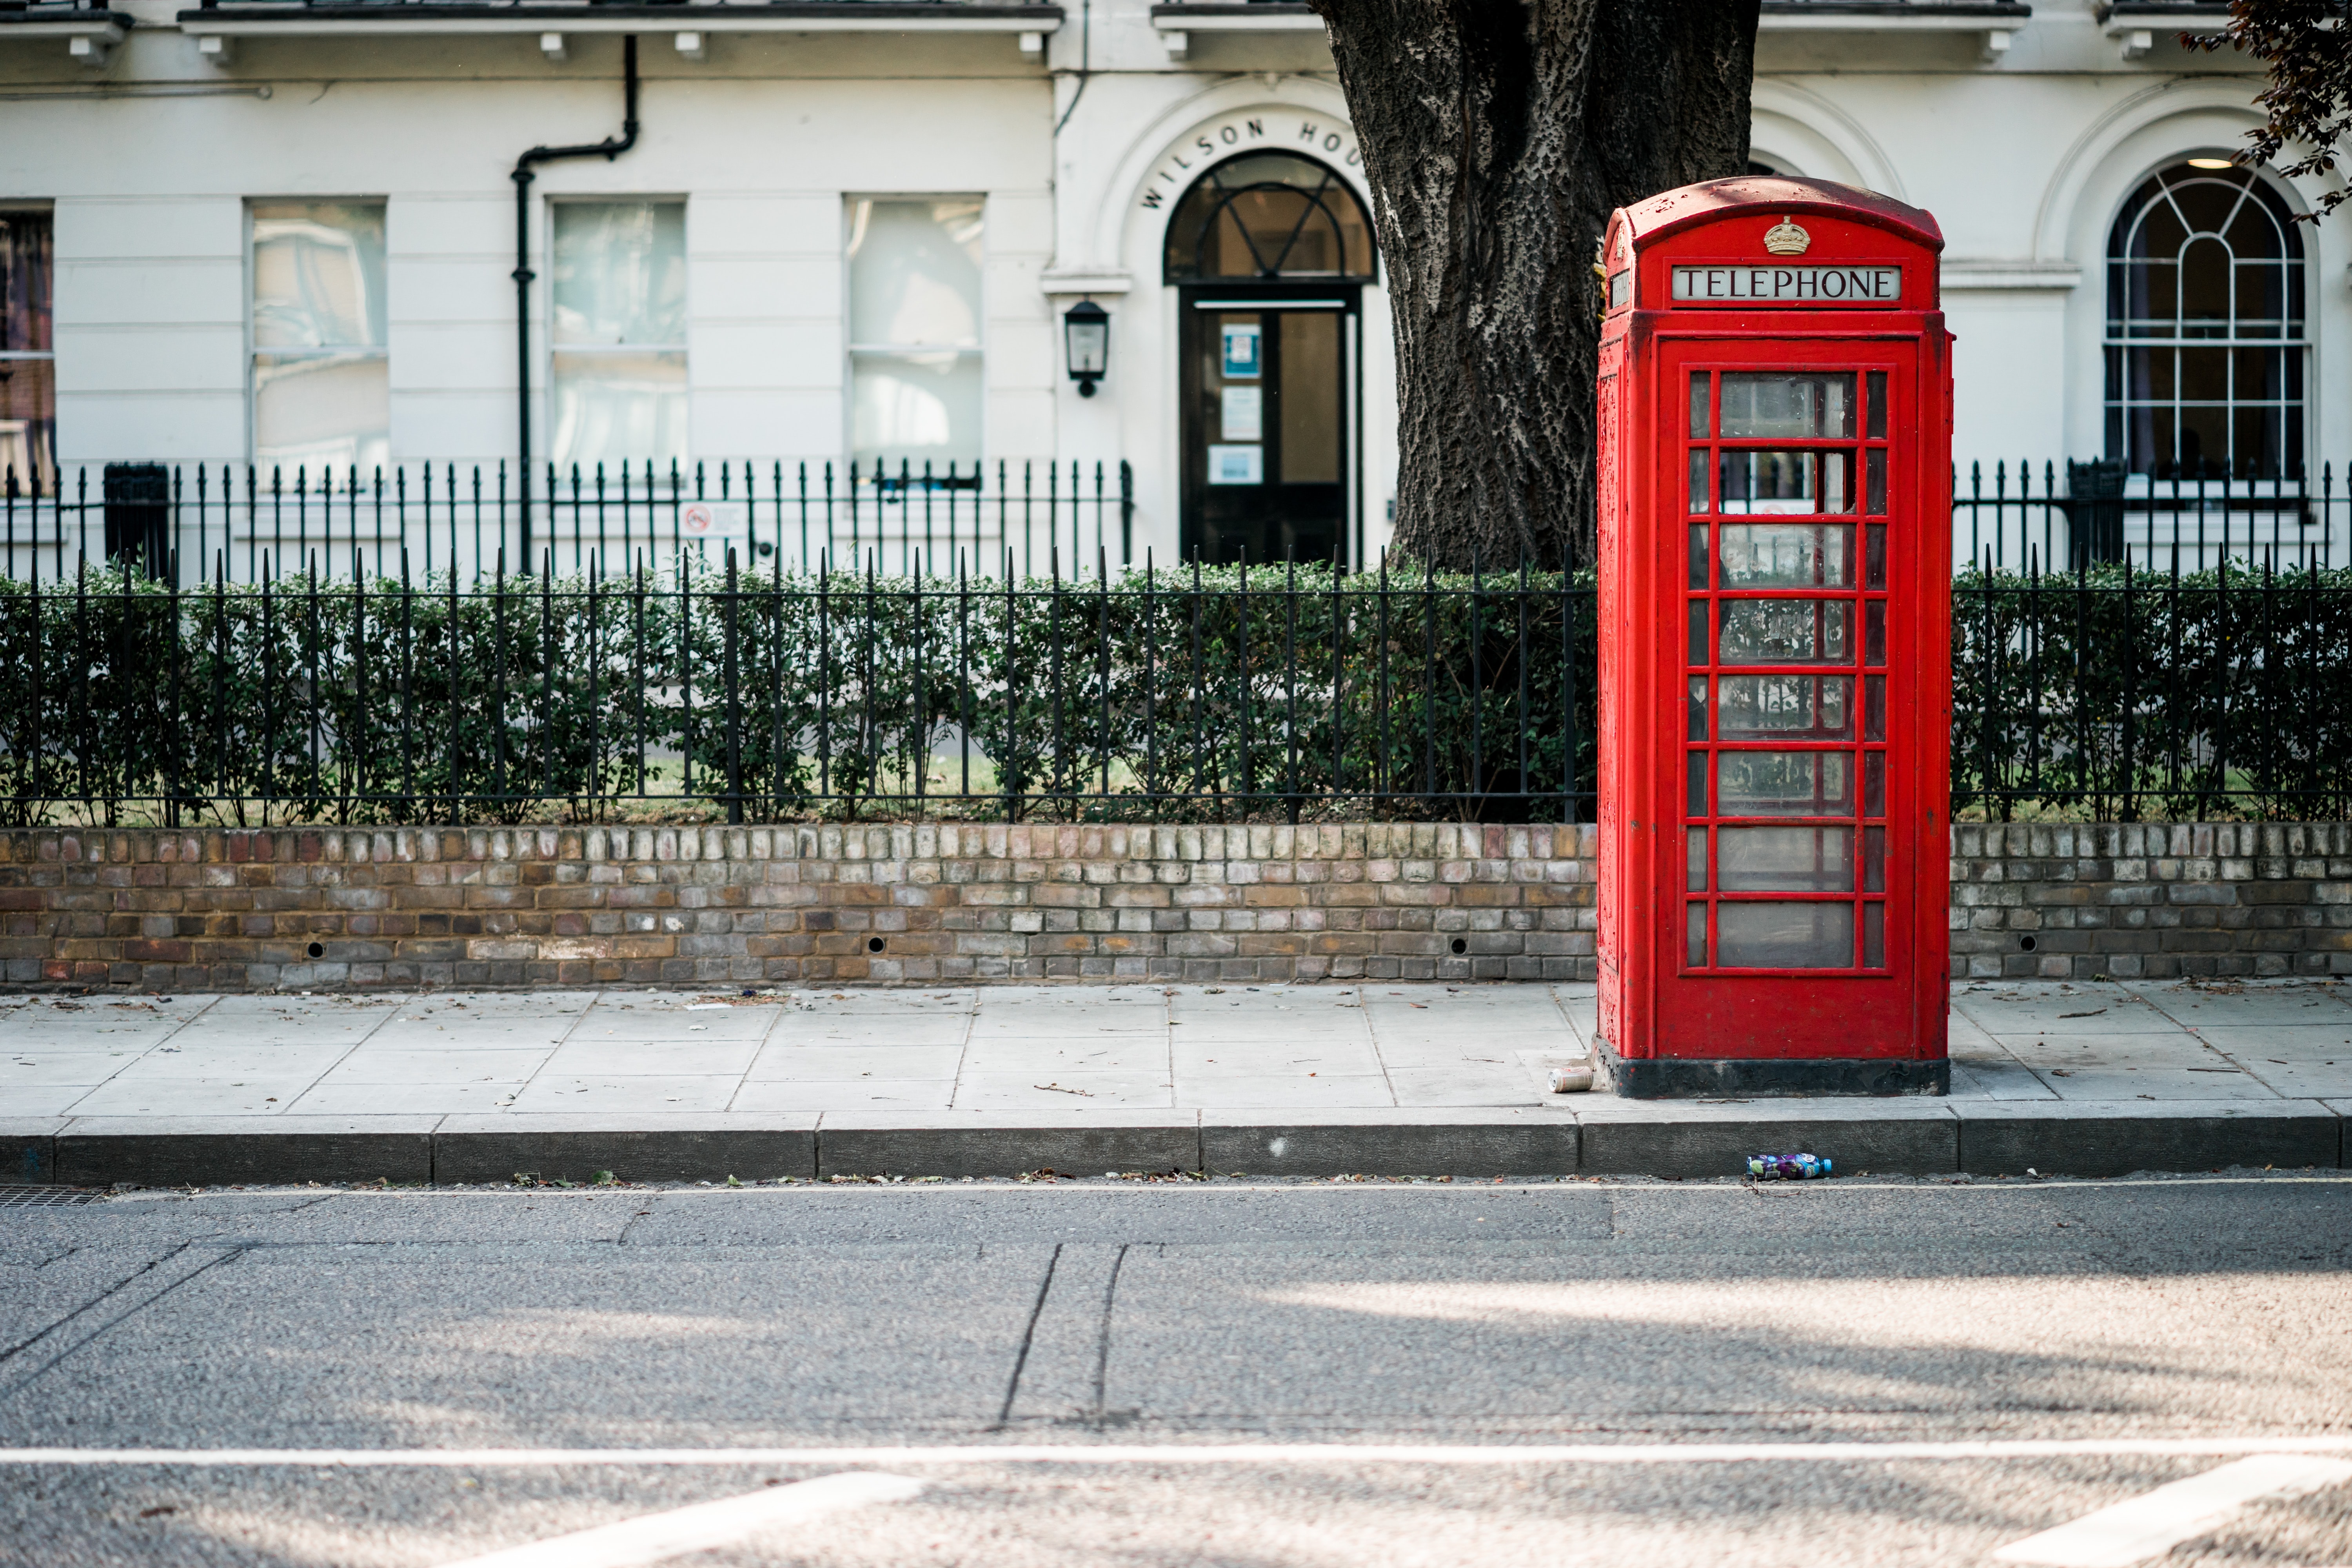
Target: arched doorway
[[1269, 253], [2205, 327]]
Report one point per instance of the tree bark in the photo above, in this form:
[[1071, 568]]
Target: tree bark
[[1498, 135]]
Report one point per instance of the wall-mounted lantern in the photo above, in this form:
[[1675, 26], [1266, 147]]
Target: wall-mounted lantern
[[1085, 333]]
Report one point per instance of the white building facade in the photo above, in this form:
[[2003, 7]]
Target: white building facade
[[282, 236]]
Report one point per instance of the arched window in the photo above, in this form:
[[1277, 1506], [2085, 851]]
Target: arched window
[[2205, 346], [1269, 214]]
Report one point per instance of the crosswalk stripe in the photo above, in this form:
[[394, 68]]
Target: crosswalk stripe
[[2155, 1522], [655, 1537]]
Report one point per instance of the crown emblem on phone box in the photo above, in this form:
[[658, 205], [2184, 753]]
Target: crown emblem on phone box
[[1785, 238]]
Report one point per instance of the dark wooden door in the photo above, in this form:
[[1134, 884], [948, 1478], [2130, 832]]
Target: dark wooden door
[[1266, 396]]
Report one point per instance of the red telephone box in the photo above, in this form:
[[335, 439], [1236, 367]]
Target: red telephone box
[[1775, 520]]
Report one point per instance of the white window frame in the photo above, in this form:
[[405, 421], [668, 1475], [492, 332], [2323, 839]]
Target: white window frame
[[2297, 417], [851, 350], [632, 472], [252, 406], [35, 356]]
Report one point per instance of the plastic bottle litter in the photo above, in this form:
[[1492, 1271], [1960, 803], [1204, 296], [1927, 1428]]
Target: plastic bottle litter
[[1788, 1167]]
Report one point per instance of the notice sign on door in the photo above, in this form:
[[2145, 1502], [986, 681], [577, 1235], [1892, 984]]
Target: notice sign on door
[[1237, 465], [1241, 350], [1240, 413], [1788, 285]]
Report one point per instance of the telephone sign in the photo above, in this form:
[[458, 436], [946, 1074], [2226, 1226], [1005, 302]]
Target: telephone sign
[[1775, 530]]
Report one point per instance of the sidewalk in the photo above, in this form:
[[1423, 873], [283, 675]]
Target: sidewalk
[[2085, 1078]]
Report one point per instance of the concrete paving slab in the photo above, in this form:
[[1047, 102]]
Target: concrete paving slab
[[559, 1094], [2297, 1043], [634, 1148], [1253, 1091], [2161, 1047], [2082, 1138], [1121, 1053], [82, 1043], [330, 1034], [251, 1095], [210, 1151], [1437, 1043], [1686, 1138], [859, 1093], [675, 1025], [861, 1002], [2155, 1083], [1057, 1087], [464, 1032], [787, 1063], [1472, 1083], [1213, 1055], [1337, 1022], [1002, 1144], [398, 1066], [989, 1030], [880, 1030], [2301, 1080], [639, 1059], [403, 1099], [1965, 1037], [93, 1039], [1418, 1143], [231, 1060], [2001, 1079], [2093, 1009], [53, 1101], [2248, 1001], [46, 1070]]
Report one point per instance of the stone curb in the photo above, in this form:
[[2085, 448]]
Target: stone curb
[[1598, 1137]]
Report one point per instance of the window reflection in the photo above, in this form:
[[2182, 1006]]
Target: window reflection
[[1783, 708], [1785, 482], [915, 326], [1785, 631], [1786, 555], [1786, 404], [1784, 783]]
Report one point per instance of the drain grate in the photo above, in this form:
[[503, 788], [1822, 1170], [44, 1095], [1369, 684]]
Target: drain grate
[[30, 1197]]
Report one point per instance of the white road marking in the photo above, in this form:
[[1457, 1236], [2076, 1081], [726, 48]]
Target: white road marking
[[2157, 1521], [1195, 1454], [658, 1536]]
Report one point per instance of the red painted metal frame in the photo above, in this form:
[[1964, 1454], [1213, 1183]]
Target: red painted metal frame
[[1653, 1003]]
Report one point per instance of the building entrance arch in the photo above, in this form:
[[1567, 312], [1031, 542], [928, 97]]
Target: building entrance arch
[[1269, 253]]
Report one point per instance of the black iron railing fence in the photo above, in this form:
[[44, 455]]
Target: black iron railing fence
[[234, 518], [2093, 513], [249, 521], [1293, 692], [718, 685], [2117, 693]]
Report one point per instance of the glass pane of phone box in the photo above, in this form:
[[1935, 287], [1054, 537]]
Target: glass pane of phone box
[[1773, 934]]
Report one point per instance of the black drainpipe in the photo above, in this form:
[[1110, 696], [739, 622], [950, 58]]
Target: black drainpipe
[[610, 148]]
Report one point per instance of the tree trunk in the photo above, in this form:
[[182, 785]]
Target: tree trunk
[[1498, 135]]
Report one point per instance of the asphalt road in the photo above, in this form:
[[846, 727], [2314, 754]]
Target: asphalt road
[[1645, 1317]]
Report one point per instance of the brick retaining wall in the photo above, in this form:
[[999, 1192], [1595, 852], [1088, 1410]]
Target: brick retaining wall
[[245, 911], [324, 908], [2152, 901]]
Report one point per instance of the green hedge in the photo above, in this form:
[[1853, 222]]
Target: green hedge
[[1170, 696], [2120, 695]]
